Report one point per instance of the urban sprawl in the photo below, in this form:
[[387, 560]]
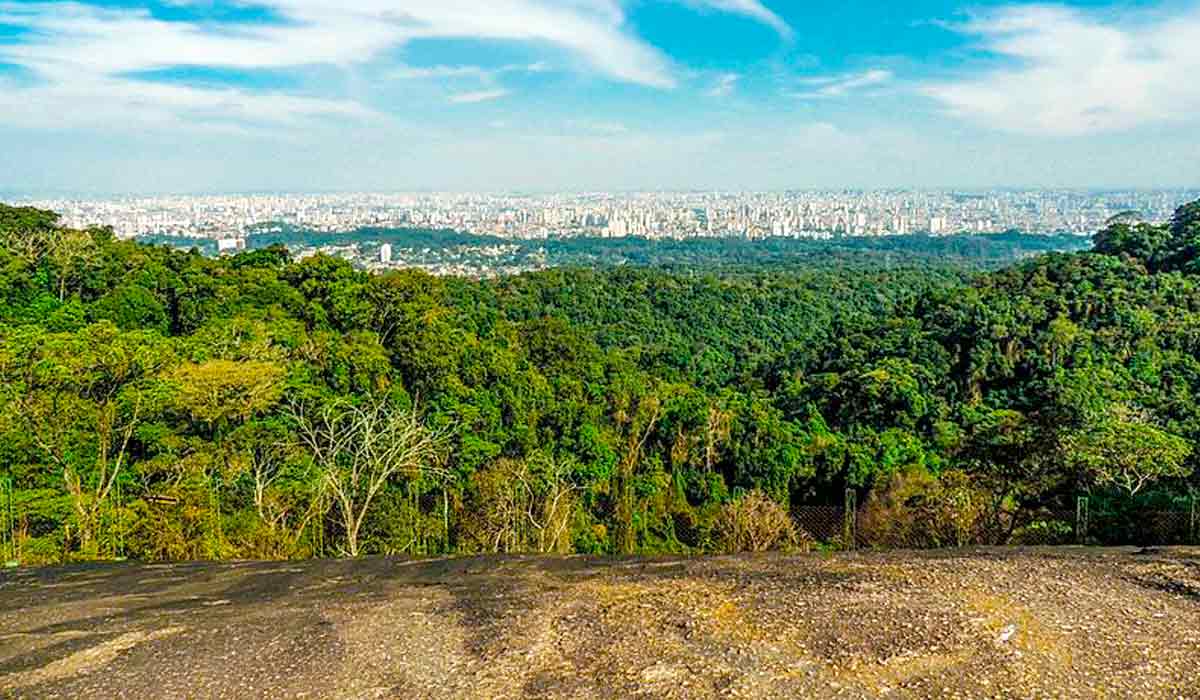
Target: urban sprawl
[[648, 215]]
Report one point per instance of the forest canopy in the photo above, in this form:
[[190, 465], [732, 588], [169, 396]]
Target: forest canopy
[[161, 404]]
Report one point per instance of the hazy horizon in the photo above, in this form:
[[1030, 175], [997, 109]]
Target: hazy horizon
[[50, 195]]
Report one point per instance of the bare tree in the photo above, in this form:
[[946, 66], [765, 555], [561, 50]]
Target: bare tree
[[360, 447], [639, 426], [755, 523], [716, 432], [523, 505], [88, 481], [551, 518], [285, 519]]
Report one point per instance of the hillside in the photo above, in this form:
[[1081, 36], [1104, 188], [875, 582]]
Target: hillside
[[163, 405]]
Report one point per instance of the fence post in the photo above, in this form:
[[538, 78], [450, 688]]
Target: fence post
[[1081, 519], [1194, 530], [214, 504], [118, 521], [8, 524], [849, 526], [318, 529]]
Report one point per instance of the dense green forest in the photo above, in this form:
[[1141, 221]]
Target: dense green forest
[[162, 404]]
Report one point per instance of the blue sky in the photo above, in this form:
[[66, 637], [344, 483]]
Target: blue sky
[[211, 95]]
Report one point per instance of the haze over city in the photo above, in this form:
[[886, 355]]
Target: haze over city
[[124, 96]]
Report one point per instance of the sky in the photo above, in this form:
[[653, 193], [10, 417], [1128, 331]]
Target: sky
[[123, 96]]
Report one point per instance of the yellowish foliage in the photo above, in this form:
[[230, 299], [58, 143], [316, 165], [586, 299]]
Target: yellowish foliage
[[224, 391]]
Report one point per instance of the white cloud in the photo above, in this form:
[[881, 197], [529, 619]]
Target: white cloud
[[753, 9], [105, 102], [724, 85], [1071, 72], [428, 72], [832, 86], [477, 96], [74, 36], [82, 54], [485, 75], [600, 128], [73, 49]]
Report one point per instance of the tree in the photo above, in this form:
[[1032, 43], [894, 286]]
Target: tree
[[131, 306], [1185, 238], [604, 410], [360, 447], [85, 395], [1015, 457], [1126, 451], [287, 496], [223, 393], [1141, 241], [89, 443], [637, 421], [522, 505], [1185, 222], [28, 232]]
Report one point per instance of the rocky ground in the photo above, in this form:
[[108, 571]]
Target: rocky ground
[[1052, 623]]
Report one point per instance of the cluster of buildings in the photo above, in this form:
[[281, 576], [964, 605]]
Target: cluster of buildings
[[473, 261], [668, 215]]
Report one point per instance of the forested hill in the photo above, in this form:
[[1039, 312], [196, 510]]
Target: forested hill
[[162, 404]]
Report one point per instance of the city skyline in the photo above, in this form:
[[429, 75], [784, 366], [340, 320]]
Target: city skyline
[[189, 96], [654, 215]]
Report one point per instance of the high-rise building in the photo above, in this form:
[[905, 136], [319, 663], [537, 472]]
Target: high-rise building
[[228, 246], [385, 253]]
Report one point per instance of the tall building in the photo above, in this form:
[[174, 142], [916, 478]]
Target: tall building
[[385, 253], [228, 246]]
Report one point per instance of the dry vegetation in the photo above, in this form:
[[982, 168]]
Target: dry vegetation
[[755, 523]]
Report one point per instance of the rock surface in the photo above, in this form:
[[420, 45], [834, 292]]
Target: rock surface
[[989, 623]]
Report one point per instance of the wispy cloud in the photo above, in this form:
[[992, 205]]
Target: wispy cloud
[[464, 71], [103, 102], [72, 48], [477, 96], [600, 128], [724, 85], [1074, 72], [753, 9], [833, 86]]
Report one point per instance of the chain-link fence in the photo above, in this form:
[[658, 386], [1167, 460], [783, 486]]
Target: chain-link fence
[[1102, 521], [823, 523]]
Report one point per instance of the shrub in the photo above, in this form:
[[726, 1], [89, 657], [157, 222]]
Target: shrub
[[40, 551], [919, 510], [1045, 532], [755, 523]]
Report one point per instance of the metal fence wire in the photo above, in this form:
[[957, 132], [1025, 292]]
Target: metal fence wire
[[822, 523], [1091, 522]]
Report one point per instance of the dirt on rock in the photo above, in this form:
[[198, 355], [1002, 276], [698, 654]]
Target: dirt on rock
[[988, 623]]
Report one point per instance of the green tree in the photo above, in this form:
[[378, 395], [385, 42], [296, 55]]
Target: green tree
[[1126, 451], [84, 397]]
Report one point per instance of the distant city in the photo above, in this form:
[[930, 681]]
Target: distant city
[[676, 216], [481, 235]]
